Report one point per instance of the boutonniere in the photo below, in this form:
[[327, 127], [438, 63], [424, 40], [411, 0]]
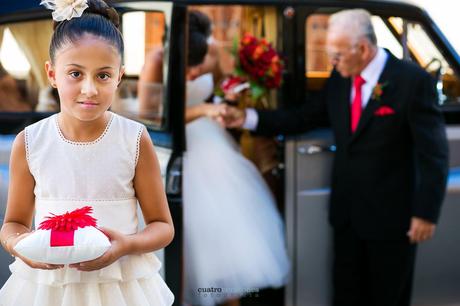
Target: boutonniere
[[377, 91]]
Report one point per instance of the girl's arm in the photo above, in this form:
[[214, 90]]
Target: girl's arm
[[159, 230], [150, 192], [20, 204]]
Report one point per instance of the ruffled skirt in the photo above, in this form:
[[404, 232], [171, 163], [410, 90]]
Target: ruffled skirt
[[132, 280]]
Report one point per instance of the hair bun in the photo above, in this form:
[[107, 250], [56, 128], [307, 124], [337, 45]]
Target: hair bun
[[99, 7], [97, 19], [113, 16]]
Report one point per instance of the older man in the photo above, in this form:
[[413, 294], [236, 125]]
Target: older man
[[390, 167]]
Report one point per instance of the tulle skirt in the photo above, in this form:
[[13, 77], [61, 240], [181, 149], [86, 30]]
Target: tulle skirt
[[131, 280], [233, 234]]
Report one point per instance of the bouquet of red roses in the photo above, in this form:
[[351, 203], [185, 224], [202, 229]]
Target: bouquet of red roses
[[258, 67]]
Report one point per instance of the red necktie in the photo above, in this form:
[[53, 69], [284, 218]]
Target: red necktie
[[357, 103]]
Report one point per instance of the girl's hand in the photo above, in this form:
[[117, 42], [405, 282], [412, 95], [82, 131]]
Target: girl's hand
[[120, 247], [33, 264]]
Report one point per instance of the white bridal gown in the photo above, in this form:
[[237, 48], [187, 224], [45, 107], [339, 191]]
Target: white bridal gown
[[233, 234]]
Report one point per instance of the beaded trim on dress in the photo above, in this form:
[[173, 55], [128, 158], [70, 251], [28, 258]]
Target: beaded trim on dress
[[84, 143]]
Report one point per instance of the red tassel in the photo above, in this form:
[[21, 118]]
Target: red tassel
[[70, 221]]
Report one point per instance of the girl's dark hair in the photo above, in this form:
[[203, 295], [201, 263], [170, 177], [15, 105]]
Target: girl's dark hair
[[199, 29], [98, 19]]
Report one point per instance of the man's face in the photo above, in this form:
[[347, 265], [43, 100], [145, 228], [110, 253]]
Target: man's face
[[345, 54]]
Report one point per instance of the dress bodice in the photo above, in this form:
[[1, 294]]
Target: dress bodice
[[99, 173]]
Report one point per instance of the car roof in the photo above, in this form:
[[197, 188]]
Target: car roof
[[9, 7], [12, 6]]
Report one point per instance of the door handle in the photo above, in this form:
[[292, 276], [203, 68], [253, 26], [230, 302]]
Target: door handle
[[315, 149], [174, 178]]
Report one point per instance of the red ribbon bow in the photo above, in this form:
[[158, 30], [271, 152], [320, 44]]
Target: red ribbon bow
[[64, 226]]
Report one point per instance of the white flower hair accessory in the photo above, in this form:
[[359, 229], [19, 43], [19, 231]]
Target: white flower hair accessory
[[65, 9]]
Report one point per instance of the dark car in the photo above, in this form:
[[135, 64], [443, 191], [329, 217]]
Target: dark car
[[300, 174]]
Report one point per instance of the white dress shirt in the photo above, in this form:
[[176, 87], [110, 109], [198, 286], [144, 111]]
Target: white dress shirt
[[370, 74]]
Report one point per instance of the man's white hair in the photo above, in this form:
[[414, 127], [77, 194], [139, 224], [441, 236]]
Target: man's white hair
[[356, 23]]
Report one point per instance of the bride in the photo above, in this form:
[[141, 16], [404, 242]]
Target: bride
[[234, 242]]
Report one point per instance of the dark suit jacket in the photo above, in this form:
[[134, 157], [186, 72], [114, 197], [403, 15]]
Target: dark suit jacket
[[393, 167]]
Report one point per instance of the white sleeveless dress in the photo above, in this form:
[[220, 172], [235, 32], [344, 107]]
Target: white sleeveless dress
[[69, 175], [233, 234]]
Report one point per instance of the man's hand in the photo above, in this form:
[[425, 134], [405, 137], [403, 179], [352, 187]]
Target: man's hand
[[234, 117], [420, 230]]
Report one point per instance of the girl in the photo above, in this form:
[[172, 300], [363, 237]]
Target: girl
[[86, 154]]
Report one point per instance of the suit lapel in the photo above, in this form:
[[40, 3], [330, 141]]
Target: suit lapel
[[373, 104]]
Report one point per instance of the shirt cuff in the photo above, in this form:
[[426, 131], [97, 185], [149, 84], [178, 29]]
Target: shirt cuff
[[252, 119]]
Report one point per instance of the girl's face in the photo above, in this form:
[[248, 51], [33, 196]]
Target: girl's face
[[86, 75]]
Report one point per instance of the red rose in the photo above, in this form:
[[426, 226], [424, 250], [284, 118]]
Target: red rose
[[259, 62]]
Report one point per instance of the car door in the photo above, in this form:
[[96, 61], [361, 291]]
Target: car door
[[26, 96], [409, 34]]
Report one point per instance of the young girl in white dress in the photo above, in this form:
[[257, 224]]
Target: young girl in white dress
[[87, 155]]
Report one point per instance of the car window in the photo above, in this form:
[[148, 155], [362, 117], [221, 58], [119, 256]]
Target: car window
[[145, 35], [9, 49], [423, 51], [23, 52]]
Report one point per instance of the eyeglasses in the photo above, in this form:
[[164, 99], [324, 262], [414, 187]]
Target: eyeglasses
[[337, 55]]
